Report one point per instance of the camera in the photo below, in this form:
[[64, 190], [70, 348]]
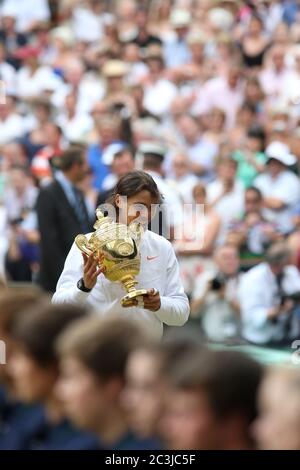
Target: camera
[[217, 283], [295, 297], [17, 221]]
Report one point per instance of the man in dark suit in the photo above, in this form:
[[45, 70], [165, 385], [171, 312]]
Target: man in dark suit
[[62, 214]]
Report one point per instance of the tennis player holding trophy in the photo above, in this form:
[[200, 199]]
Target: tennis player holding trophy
[[122, 267]]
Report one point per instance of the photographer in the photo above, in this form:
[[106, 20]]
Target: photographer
[[270, 300], [214, 298]]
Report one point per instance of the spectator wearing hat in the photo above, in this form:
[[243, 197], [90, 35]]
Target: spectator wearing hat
[[269, 297], [192, 72], [60, 42], [153, 157], [114, 72], [279, 186], [196, 42], [176, 51], [117, 96]]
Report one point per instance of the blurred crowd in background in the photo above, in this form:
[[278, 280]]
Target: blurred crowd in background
[[205, 96]]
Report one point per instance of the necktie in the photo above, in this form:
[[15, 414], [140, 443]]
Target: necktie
[[81, 210]]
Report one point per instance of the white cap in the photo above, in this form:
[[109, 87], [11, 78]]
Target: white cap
[[114, 68], [281, 152], [155, 148], [111, 151], [180, 18], [64, 33], [221, 19]]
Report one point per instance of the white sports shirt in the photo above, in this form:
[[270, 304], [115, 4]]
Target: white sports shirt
[[159, 269]]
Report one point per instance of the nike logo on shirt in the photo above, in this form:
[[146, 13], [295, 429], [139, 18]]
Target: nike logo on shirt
[[150, 258]]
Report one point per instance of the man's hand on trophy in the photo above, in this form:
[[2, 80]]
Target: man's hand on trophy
[[152, 300], [149, 301], [91, 271]]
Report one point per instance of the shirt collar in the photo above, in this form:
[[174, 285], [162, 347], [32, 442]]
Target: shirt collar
[[65, 182]]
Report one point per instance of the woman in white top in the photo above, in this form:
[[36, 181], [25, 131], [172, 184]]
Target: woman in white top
[[195, 247], [83, 282]]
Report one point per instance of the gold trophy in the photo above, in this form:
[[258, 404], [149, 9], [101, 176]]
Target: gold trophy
[[116, 248]]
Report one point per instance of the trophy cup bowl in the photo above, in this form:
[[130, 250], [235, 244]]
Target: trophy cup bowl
[[115, 246]]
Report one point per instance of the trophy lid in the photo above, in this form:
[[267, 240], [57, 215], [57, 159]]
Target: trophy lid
[[107, 230]]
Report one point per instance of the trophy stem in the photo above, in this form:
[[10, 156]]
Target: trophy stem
[[129, 283]]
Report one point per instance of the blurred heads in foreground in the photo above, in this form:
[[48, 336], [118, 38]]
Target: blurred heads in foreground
[[212, 397], [278, 424]]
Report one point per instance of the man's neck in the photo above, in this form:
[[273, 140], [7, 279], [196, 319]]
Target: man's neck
[[238, 443], [54, 410], [113, 428], [69, 177]]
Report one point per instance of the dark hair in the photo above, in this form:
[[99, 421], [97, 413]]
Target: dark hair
[[247, 106], [38, 329], [277, 254], [229, 378], [101, 344], [255, 16], [175, 345], [133, 183], [124, 151], [199, 187], [254, 190], [14, 301], [257, 132], [56, 127], [72, 155], [152, 161]]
